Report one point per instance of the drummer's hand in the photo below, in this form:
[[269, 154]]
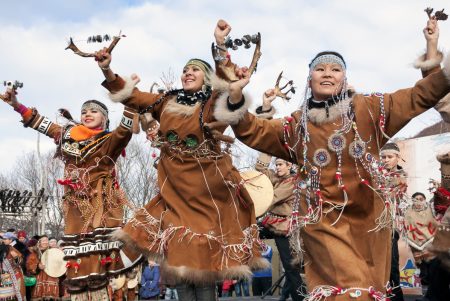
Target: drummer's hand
[[103, 58], [41, 266]]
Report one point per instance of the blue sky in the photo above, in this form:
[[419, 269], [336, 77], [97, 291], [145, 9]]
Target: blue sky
[[379, 39]]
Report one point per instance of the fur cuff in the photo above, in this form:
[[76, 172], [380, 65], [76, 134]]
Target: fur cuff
[[222, 113], [426, 65], [266, 115], [126, 91]]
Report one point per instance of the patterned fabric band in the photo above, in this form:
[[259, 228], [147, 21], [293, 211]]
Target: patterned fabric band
[[192, 99], [201, 64], [94, 106], [327, 59], [389, 151], [127, 122]]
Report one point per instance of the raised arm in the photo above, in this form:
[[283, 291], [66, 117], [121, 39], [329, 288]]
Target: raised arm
[[401, 106], [121, 136], [31, 117], [431, 60], [275, 137], [123, 89]]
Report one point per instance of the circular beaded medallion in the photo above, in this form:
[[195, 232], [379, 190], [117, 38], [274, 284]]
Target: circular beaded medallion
[[321, 157], [336, 143], [357, 149]]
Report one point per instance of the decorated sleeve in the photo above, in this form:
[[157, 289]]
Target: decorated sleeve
[[124, 90], [31, 118], [274, 137], [121, 136], [403, 105]]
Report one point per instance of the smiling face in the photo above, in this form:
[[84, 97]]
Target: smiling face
[[327, 80], [93, 118], [192, 78]]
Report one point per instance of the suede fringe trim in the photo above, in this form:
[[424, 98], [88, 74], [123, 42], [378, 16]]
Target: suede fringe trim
[[129, 242]]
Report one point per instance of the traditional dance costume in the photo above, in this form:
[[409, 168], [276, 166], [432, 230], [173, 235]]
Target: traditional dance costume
[[202, 222], [92, 202], [336, 144]]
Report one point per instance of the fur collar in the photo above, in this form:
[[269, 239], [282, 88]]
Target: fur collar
[[319, 115], [218, 85]]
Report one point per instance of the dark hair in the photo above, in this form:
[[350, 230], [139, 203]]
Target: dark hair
[[11, 230], [328, 52], [418, 193], [4, 249]]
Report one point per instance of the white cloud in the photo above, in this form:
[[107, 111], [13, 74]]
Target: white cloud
[[379, 40]]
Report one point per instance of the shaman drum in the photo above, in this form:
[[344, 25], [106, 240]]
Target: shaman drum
[[133, 282], [260, 190], [117, 282], [55, 265]]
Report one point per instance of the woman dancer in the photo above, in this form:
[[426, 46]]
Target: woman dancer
[[92, 201], [202, 222], [335, 138]]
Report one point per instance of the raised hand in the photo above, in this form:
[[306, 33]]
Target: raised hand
[[431, 31], [103, 58], [221, 31], [268, 96], [10, 98], [236, 87]]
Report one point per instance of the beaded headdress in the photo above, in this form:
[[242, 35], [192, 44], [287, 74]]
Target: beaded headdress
[[327, 58], [97, 105]]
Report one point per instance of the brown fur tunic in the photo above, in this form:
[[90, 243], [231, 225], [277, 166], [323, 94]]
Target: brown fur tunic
[[92, 202], [202, 223], [346, 254]]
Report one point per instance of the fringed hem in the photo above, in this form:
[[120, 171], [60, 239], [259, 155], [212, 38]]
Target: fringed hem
[[129, 242]]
